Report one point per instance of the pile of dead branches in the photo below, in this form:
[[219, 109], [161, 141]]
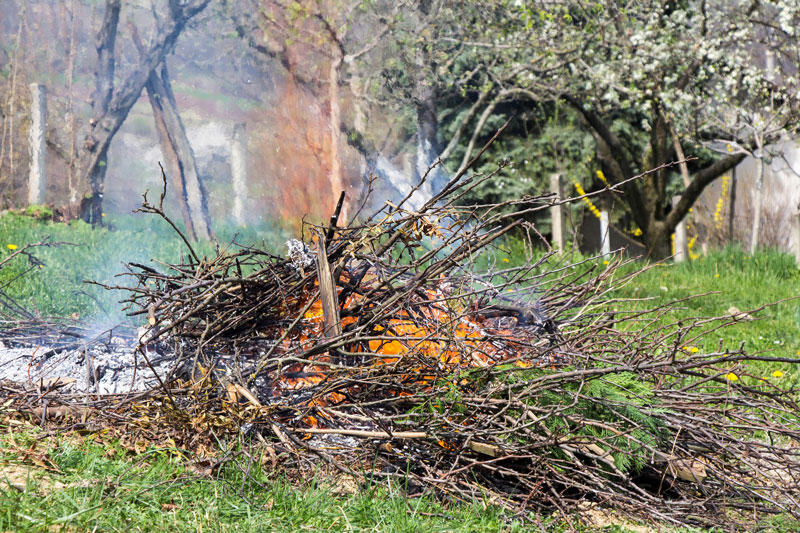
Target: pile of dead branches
[[408, 345]]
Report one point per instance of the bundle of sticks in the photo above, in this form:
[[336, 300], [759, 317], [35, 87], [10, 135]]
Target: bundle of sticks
[[408, 344]]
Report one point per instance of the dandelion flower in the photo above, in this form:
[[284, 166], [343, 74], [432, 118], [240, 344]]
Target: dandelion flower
[[731, 377], [605, 262], [12, 246], [777, 374], [506, 260]]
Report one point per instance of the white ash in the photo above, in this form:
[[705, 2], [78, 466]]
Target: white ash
[[300, 254], [113, 367]]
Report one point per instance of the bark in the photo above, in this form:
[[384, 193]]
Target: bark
[[700, 181], [110, 106], [171, 158], [96, 151]]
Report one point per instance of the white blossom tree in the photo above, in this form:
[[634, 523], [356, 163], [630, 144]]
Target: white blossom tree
[[652, 80]]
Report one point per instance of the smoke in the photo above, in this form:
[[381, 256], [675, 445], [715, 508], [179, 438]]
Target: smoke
[[292, 144], [298, 161]]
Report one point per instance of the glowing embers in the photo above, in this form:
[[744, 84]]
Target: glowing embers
[[426, 342]]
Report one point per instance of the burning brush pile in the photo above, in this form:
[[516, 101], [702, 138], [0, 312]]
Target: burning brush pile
[[408, 346]]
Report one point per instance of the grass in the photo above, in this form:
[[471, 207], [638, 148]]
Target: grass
[[92, 486], [733, 278], [725, 278], [91, 482], [59, 288]]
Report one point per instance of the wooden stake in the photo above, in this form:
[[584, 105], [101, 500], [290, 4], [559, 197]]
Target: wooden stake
[[557, 212], [796, 228], [681, 251], [332, 326], [37, 180]]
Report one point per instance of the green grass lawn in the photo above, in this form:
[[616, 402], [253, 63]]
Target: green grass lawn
[[733, 278], [91, 483], [58, 288], [90, 486]]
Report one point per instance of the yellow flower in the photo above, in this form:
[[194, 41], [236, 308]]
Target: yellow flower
[[102, 214], [602, 176], [691, 349], [716, 275], [12, 246], [506, 260], [605, 262], [731, 377], [637, 232], [777, 374]]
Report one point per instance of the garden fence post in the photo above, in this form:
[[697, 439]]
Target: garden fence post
[[239, 171], [557, 212], [796, 230], [605, 246], [680, 236], [37, 177], [732, 210]]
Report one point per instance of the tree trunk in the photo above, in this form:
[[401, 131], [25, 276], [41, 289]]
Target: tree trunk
[[94, 161], [645, 197], [427, 143], [427, 122], [197, 197], [110, 107], [178, 151], [164, 116]]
